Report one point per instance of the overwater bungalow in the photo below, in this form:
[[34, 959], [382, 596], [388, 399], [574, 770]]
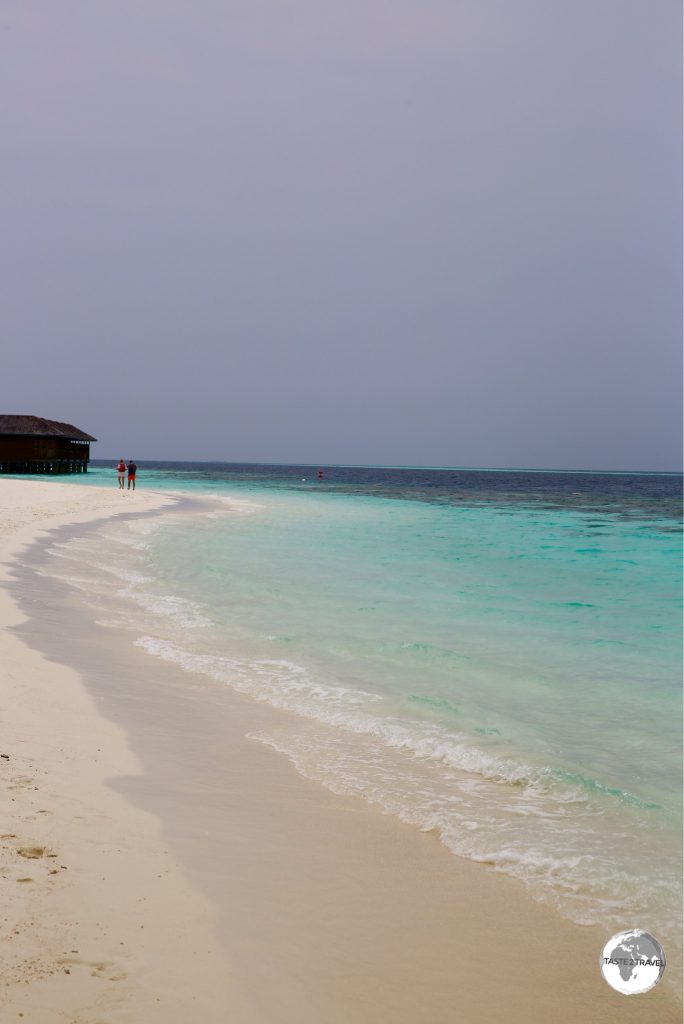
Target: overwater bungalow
[[31, 444]]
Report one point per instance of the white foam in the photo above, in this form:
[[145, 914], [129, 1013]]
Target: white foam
[[240, 505], [182, 612], [280, 682], [287, 685], [569, 865], [128, 575]]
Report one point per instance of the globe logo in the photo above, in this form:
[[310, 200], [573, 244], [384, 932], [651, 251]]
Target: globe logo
[[632, 962]]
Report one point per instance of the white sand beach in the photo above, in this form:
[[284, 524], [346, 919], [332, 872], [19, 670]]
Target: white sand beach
[[157, 866], [98, 915]]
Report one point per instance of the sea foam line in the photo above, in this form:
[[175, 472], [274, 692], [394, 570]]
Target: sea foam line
[[288, 686]]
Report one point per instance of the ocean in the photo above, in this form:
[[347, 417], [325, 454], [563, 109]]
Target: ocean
[[494, 656]]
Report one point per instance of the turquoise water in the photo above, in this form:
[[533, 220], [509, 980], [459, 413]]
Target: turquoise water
[[502, 666]]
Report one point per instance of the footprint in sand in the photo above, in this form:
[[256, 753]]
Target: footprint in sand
[[108, 971], [32, 852], [20, 782], [99, 969]]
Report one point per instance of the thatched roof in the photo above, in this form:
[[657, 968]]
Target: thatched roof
[[36, 426]]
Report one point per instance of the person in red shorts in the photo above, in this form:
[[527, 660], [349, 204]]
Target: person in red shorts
[[132, 470]]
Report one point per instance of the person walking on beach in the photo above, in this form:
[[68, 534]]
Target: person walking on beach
[[121, 472], [132, 470]]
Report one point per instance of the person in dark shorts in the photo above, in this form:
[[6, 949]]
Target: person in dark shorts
[[132, 470]]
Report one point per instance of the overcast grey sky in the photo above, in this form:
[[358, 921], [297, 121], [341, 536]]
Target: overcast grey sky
[[439, 232]]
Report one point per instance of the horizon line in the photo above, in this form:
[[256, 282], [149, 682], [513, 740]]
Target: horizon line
[[373, 465]]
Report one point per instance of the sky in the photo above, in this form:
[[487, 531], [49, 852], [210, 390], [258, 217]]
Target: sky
[[445, 232]]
